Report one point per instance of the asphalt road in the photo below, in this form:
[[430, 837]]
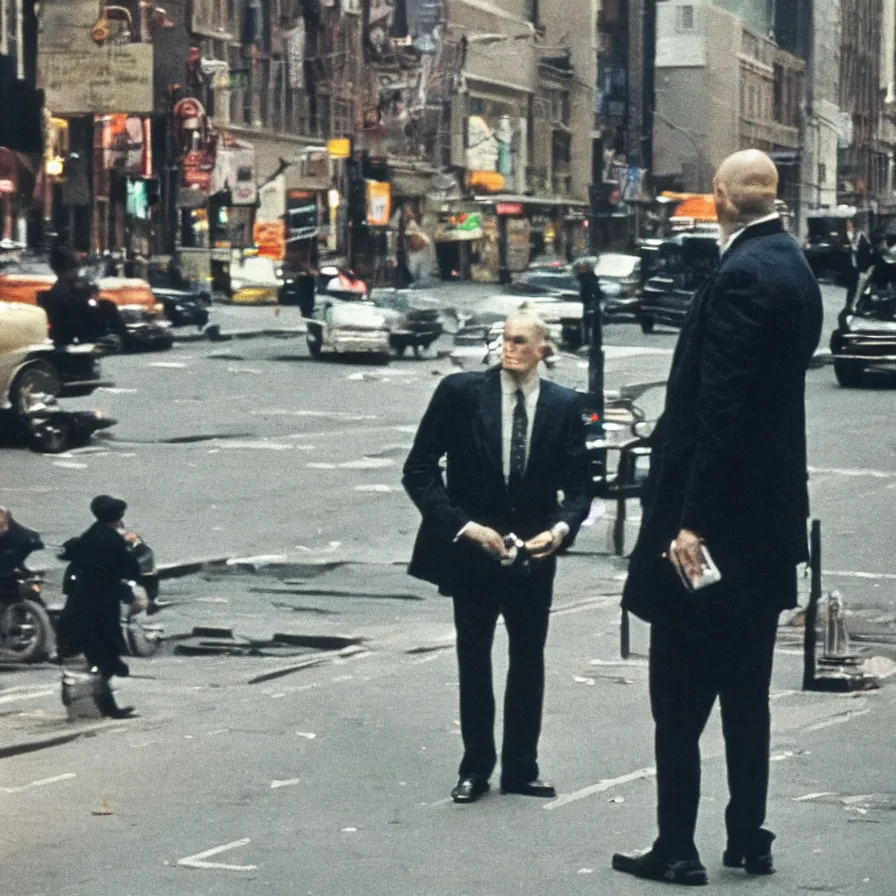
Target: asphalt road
[[333, 778]]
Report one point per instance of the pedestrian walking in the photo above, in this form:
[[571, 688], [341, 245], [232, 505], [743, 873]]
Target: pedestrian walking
[[728, 477], [489, 537], [100, 564]]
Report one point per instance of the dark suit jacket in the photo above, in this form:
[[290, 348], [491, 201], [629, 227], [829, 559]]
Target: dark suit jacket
[[463, 421], [728, 456]]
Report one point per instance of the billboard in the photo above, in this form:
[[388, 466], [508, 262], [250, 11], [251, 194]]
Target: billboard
[[86, 62]]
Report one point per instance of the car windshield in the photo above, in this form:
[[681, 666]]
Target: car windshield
[[35, 267], [616, 266], [878, 298], [826, 228], [550, 280]]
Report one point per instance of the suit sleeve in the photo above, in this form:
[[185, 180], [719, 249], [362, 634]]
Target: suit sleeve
[[422, 475], [734, 346], [576, 480]]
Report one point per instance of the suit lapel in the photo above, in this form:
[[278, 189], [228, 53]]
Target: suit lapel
[[490, 419]]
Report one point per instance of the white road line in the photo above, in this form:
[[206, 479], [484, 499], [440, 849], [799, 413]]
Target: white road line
[[637, 775], [840, 471], [855, 574], [42, 783], [600, 787], [29, 695], [837, 720], [197, 861]]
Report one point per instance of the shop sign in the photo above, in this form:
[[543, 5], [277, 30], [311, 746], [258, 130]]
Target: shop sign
[[235, 171], [486, 181], [197, 168], [379, 203], [301, 212], [509, 208], [81, 74], [272, 200], [270, 238], [340, 148]]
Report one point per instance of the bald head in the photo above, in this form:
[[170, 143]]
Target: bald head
[[745, 188]]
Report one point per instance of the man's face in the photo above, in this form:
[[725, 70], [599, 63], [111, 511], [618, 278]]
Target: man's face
[[523, 348]]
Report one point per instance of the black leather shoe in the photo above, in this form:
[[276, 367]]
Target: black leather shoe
[[468, 790], [530, 788], [755, 859], [652, 866]]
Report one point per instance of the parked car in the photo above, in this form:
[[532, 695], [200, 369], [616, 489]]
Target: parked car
[[137, 318], [619, 277], [493, 310], [556, 292], [865, 336], [827, 248], [185, 303], [34, 373], [682, 265]]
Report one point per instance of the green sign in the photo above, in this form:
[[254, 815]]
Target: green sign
[[239, 79]]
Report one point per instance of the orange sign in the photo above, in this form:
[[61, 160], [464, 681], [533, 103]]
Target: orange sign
[[379, 203], [270, 237], [487, 181]]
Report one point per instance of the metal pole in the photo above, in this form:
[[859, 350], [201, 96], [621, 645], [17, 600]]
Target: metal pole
[[812, 607]]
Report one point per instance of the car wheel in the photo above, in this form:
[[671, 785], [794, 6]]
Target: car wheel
[[647, 324], [315, 337], [50, 437], [33, 384], [850, 374]]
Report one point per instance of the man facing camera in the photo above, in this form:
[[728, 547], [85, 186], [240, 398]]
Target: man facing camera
[[515, 491]]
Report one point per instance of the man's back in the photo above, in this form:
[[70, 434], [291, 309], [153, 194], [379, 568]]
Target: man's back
[[734, 424]]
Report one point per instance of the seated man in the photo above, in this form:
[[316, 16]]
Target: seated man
[[16, 543], [73, 313]]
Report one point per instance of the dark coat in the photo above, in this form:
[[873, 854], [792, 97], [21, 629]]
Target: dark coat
[[71, 314], [100, 562], [15, 545], [463, 421], [728, 456]]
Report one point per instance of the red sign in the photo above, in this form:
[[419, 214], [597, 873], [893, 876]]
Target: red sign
[[509, 208]]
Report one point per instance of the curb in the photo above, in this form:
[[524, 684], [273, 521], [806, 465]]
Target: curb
[[279, 332], [191, 567]]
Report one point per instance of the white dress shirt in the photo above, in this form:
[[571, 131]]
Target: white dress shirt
[[509, 386], [531, 389], [724, 247]]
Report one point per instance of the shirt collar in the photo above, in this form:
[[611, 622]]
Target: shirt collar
[[509, 385], [724, 247]]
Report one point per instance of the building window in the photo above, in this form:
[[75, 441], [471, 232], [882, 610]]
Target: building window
[[822, 173], [685, 18]]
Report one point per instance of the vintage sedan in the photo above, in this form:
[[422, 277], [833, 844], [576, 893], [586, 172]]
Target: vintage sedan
[[681, 267], [865, 336], [348, 327], [34, 373], [135, 315]]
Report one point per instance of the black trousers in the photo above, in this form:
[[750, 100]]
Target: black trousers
[[726, 654], [525, 602]]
